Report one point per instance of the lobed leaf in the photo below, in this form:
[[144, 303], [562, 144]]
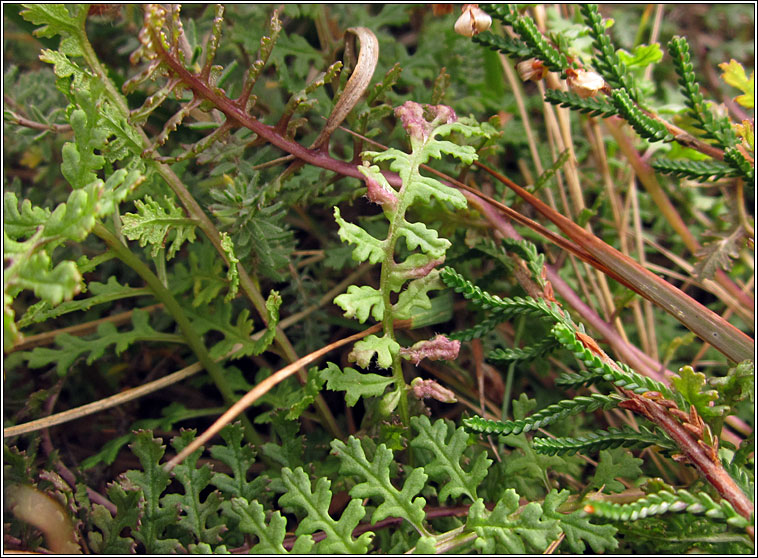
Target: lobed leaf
[[376, 483], [447, 445], [509, 529], [355, 384], [339, 539]]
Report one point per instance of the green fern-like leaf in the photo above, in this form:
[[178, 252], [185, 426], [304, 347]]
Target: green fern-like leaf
[[109, 540], [695, 170], [650, 129], [377, 485], [548, 415], [593, 106], [239, 458], [510, 530], [578, 528], [71, 347], [339, 534], [152, 480], [448, 450], [152, 225], [607, 61], [199, 516], [604, 439], [665, 501], [271, 533]]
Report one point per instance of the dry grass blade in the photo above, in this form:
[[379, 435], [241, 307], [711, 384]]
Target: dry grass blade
[[708, 325], [251, 396]]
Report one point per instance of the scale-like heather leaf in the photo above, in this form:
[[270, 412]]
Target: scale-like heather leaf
[[339, 534], [72, 347], [110, 541], [418, 235], [200, 518], [355, 384], [604, 439], [364, 350], [665, 501], [360, 302], [578, 528], [613, 464], [448, 450], [594, 106], [377, 485], [152, 225], [508, 529], [548, 415], [252, 520], [367, 247], [152, 480]]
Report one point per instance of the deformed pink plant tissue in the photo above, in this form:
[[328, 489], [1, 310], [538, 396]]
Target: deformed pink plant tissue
[[438, 348], [430, 389], [379, 194], [411, 115]]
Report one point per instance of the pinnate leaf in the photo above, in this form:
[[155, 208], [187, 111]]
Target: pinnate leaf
[[613, 464], [54, 19], [447, 444], [339, 539], [252, 520], [691, 385], [578, 528], [418, 235], [367, 247], [364, 350], [355, 384], [199, 517], [510, 530], [152, 225], [734, 75], [360, 302], [110, 541], [376, 483], [152, 480]]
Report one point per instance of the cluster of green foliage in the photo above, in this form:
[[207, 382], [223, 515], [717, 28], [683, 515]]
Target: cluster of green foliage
[[152, 224]]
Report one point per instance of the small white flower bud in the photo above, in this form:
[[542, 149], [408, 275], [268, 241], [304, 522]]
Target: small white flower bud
[[473, 20], [531, 70], [584, 83]]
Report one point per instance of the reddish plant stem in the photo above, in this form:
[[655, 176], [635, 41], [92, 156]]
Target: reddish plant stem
[[695, 451]]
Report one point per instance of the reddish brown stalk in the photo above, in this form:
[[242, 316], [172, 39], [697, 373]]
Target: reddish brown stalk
[[702, 456]]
